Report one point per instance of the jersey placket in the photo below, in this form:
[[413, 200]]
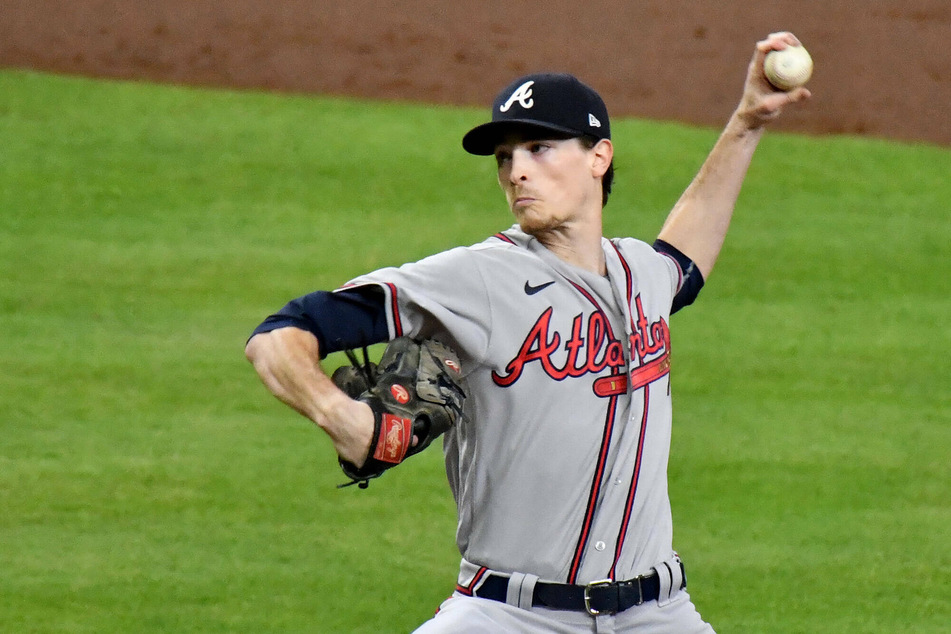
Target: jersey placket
[[614, 257], [601, 473]]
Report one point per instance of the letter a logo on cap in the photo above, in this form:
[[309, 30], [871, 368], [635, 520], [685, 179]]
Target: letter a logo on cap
[[523, 95]]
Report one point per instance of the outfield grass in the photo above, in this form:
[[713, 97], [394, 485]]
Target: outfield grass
[[148, 482]]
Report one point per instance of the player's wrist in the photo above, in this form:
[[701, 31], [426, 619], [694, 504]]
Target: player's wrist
[[332, 411], [349, 424], [745, 126]]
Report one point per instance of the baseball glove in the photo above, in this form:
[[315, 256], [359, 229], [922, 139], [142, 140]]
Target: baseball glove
[[416, 390]]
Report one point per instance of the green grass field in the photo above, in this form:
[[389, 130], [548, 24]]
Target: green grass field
[[148, 483]]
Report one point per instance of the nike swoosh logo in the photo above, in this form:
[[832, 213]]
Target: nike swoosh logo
[[531, 290]]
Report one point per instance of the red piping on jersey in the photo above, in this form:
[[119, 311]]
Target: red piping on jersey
[[628, 276], [641, 377], [629, 506], [504, 238], [395, 309], [595, 492], [470, 589], [680, 272], [602, 457]]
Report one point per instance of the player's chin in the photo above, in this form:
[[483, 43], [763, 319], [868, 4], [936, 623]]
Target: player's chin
[[532, 220], [531, 228]]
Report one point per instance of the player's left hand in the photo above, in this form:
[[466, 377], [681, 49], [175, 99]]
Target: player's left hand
[[415, 395], [761, 102]]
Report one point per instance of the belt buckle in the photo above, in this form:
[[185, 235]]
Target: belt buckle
[[587, 595]]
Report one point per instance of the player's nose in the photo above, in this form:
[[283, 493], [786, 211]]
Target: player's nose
[[519, 166]]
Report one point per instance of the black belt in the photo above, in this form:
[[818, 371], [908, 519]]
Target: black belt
[[598, 597]]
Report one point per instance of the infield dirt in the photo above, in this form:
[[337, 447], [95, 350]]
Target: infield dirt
[[883, 67]]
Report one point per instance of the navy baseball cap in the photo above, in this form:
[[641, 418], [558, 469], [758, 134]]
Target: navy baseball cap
[[552, 102]]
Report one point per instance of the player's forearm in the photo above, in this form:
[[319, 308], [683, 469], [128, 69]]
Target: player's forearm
[[699, 221], [287, 361]]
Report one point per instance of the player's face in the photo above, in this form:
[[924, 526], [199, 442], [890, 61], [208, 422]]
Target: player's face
[[550, 183]]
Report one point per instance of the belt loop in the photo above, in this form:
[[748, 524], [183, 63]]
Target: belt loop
[[521, 590], [671, 577]]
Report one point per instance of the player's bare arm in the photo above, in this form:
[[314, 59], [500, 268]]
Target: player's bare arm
[[698, 223], [287, 360]]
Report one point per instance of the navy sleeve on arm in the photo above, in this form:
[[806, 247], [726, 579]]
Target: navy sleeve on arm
[[349, 318], [692, 280]]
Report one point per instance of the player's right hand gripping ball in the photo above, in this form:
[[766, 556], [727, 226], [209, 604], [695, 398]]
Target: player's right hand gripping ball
[[416, 390], [788, 68]]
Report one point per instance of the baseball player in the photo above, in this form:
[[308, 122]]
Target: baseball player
[[558, 463]]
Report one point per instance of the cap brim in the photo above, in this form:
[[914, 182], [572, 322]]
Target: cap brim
[[483, 139]]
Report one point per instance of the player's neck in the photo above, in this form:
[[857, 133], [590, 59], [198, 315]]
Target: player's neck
[[579, 246]]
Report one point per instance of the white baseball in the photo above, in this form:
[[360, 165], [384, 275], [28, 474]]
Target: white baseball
[[788, 68]]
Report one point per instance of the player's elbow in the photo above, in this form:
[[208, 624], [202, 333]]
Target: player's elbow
[[252, 349], [263, 351], [281, 346]]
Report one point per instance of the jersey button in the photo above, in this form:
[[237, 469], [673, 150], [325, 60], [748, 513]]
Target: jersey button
[[599, 546]]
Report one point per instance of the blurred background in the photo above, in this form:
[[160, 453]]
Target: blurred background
[[883, 67]]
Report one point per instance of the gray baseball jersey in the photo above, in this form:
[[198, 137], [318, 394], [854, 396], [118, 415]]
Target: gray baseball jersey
[[559, 467]]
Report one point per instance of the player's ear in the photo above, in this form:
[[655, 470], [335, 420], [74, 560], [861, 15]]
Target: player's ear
[[601, 156]]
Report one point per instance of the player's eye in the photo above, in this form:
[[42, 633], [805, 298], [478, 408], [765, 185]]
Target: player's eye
[[537, 147], [502, 156]]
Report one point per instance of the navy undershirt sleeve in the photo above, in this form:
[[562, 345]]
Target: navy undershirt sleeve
[[348, 318], [692, 278]]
